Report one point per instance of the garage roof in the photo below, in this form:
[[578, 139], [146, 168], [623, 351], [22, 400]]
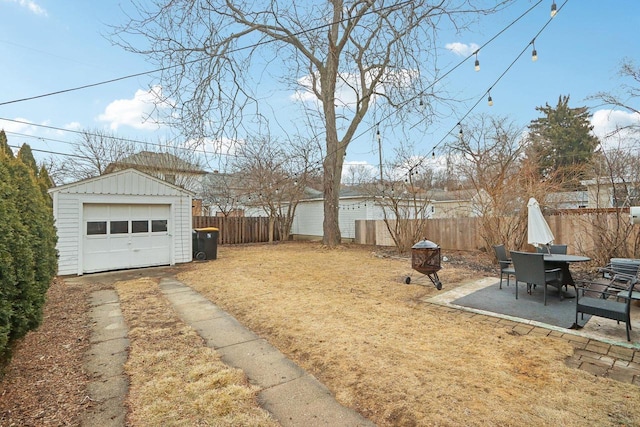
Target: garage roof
[[128, 181]]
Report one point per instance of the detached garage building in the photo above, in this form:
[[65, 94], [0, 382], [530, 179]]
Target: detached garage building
[[125, 219]]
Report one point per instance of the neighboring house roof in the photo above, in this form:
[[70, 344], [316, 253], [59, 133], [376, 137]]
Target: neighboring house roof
[[609, 181], [567, 197], [155, 161], [432, 195], [448, 196], [223, 180]]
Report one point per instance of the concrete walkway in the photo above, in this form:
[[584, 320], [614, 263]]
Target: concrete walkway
[[291, 395], [104, 363]]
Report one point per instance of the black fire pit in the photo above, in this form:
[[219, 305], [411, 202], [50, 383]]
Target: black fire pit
[[425, 259]]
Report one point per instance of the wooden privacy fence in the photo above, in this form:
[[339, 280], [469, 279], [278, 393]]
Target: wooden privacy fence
[[582, 230], [235, 230], [449, 233]]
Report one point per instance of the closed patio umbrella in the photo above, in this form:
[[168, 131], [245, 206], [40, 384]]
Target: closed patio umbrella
[[539, 233]]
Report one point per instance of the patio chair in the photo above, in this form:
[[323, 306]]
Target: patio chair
[[506, 269], [627, 266], [531, 270], [592, 299], [552, 249]]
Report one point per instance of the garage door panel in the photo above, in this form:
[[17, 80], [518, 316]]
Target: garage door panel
[[107, 250]]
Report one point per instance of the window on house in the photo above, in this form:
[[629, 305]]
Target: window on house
[[96, 227], [158, 225], [119, 227], [139, 226], [624, 195], [634, 196]]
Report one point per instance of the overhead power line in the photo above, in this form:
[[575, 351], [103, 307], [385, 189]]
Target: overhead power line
[[143, 73]]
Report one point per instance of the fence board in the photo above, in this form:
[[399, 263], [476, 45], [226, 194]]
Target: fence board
[[234, 230]]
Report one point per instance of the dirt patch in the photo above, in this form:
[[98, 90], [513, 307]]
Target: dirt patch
[[45, 384]]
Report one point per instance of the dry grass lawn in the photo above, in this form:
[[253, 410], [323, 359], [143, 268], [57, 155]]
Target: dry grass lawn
[[175, 379], [346, 316]]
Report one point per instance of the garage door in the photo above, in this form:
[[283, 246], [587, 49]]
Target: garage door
[[125, 236]]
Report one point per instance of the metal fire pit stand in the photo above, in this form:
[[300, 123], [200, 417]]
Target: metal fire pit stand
[[425, 259]]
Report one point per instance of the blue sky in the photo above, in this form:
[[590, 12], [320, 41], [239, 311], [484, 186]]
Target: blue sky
[[48, 45]]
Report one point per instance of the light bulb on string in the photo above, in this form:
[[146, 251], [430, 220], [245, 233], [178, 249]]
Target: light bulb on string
[[554, 9], [433, 154], [477, 63], [490, 100], [534, 53]]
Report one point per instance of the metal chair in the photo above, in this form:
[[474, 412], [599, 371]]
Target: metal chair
[[605, 303], [505, 263], [552, 249], [531, 270]]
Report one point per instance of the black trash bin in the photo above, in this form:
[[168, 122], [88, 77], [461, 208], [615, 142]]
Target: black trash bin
[[205, 243]]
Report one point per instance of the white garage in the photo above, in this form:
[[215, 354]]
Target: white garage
[[122, 220]]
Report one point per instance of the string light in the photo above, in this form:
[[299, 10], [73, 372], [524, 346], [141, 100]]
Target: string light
[[433, 154], [477, 68], [534, 53], [489, 100]]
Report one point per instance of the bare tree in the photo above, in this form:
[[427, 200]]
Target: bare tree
[[358, 174], [616, 181], [343, 53], [224, 192], [274, 177], [488, 155], [403, 196], [93, 152]]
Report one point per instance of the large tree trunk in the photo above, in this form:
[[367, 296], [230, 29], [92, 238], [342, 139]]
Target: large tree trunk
[[335, 151], [332, 175]]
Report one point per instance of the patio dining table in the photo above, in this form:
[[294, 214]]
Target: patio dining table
[[562, 262]]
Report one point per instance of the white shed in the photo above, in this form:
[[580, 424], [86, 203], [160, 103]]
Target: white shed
[[121, 220]]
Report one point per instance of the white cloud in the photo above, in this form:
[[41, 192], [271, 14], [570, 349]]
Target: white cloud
[[222, 146], [606, 122], [20, 125], [31, 5], [73, 126], [136, 112], [613, 128], [462, 49]]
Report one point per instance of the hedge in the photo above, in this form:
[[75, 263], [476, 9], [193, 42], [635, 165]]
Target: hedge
[[28, 258]]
